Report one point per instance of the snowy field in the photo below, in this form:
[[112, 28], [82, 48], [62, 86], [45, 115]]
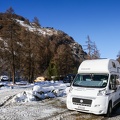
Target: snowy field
[[32, 101], [40, 101], [35, 92]]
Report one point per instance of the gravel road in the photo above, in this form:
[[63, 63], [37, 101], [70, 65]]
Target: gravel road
[[48, 109]]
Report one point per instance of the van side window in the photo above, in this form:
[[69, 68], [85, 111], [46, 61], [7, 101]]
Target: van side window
[[118, 81], [112, 83]]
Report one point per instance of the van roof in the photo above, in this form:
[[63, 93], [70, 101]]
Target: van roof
[[99, 66]]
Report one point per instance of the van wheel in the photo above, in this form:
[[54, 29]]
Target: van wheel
[[109, 110]]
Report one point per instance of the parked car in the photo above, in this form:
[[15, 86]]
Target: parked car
[[39, 79], [4, 78], [69, 78]]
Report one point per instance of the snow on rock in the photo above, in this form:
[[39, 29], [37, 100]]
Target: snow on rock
[[25, 96], [42, 90], [31, 27]]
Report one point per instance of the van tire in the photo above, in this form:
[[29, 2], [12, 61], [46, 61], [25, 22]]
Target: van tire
[[109, 110]]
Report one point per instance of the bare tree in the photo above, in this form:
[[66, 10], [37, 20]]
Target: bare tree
[[93, 52], [11, 43], [10, 11], [36, 22], [64, 60], [96, 53], [89, 47], [27, 55]]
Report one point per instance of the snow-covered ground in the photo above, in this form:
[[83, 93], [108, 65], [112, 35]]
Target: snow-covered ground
[[32, 101], [40, 101]]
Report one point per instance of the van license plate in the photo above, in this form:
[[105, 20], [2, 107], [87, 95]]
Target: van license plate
[[80, 107]]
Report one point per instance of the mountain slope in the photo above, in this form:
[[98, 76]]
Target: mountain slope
[[76, 48], [33, 50]]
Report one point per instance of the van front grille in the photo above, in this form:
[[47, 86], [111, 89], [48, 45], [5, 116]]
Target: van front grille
[[82, 102]]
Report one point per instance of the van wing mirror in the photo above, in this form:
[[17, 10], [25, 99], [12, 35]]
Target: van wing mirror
[[113, 86]]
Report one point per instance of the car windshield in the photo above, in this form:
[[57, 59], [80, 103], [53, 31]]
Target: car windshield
[[91, 80]]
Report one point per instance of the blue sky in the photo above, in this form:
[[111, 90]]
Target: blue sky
[[100, 19]]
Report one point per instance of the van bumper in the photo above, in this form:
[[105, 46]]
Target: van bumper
[[98, 106]]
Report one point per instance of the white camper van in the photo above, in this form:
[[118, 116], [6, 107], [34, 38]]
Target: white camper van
[[96, 87]]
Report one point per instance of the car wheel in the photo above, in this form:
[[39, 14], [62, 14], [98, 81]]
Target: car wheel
[[109, 110]]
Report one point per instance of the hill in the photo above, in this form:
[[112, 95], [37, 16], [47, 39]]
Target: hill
[[28, 50]]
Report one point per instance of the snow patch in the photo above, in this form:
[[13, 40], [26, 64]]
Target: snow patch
[[40, 30]]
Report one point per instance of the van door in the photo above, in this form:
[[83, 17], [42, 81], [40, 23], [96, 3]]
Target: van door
[[114, 88], [118, 89]]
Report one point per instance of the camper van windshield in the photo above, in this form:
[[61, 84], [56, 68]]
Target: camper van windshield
[[91, 80]]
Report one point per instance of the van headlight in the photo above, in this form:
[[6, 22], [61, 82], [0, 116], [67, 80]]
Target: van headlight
[[101, 92]]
